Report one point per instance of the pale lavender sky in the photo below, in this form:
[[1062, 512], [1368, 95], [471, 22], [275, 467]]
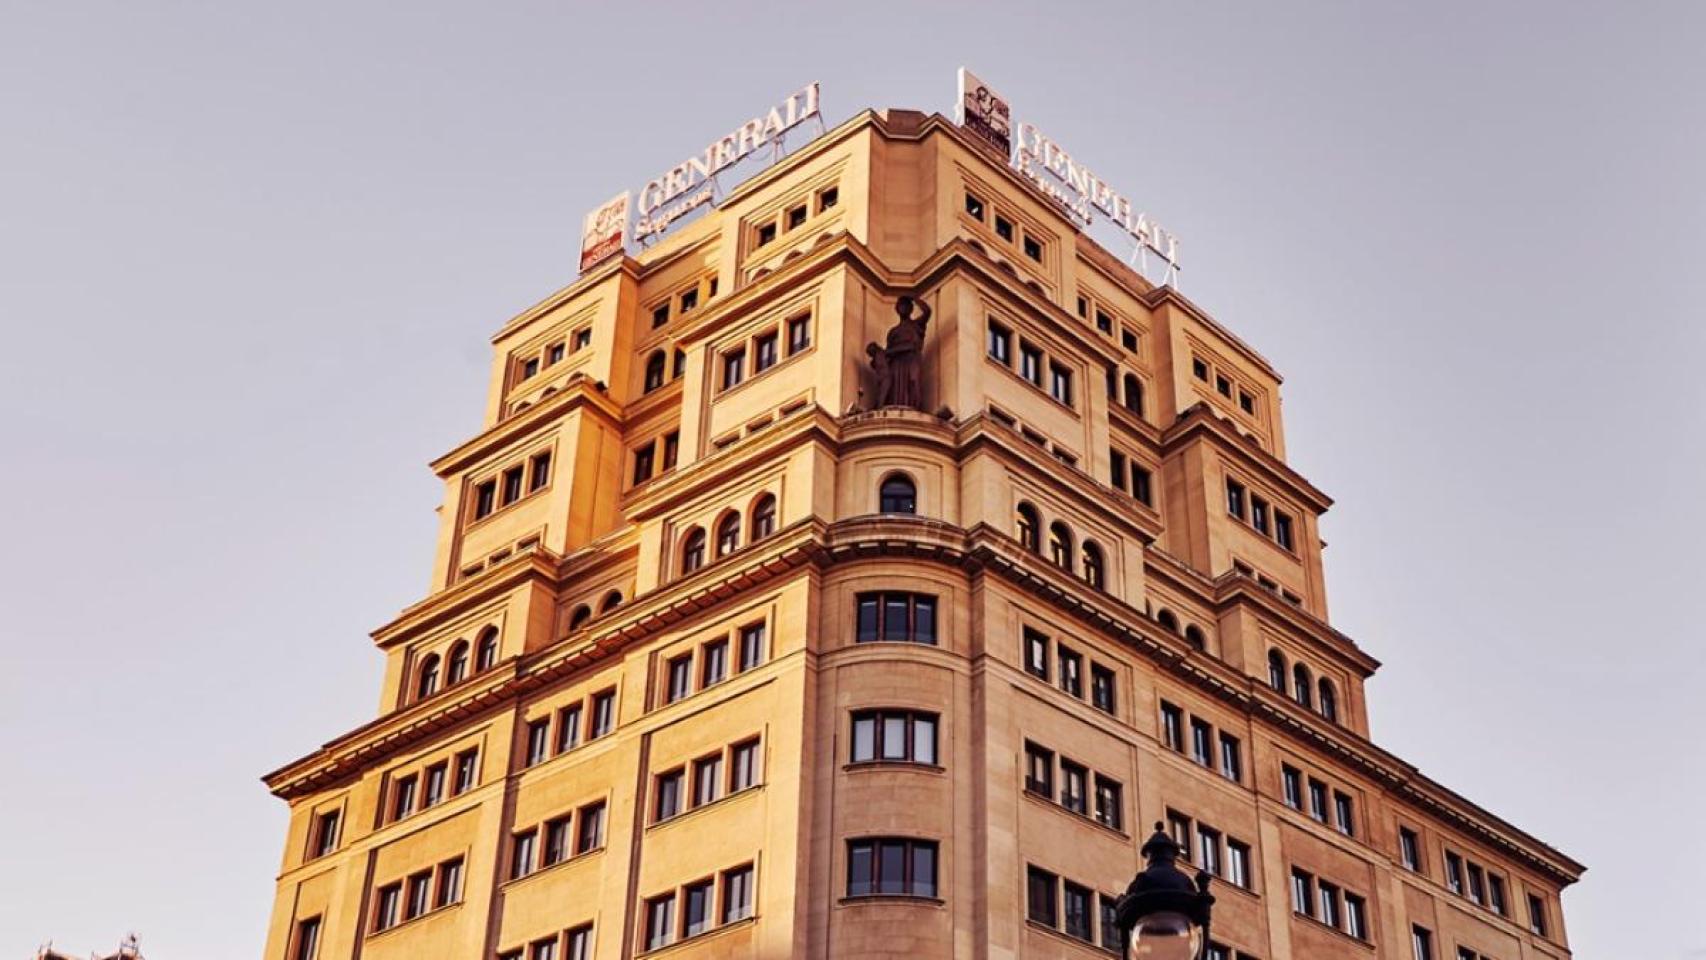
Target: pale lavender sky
[[250, 256]]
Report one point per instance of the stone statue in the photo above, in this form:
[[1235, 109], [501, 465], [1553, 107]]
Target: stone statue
[[899, 365]]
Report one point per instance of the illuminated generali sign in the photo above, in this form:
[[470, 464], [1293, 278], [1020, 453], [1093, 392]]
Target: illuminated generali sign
[[692, 183], [1071, 184]]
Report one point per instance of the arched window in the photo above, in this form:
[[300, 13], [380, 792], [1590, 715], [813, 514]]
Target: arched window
[[728, 534], [580, 618], [611, 601], [1168, 621], [427, 684], [486, 653], [679, 367], [1329, 700], [1276, 670], [898, 495], [693, 550], [1194, 637], [1060, 545], [764, 517], [654, 371], [1133, 394], [1028, 528], [1300, 684], [458, 670], [1095, 570]]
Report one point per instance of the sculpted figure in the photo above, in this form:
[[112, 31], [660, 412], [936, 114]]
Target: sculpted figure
[[899, 365]]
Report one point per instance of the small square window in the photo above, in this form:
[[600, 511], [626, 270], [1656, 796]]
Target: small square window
[[828, 198], [554, 353], [1033, 249], [690, 300], [1003, 228], [660, 314], [1246, 402], [1104, 322], [582, 338], [764, 353], [1083, 307], [974, 207], [797, 217], [530, 368], [766, 234], [1223, 386], [1199, 369], [1128, 340]]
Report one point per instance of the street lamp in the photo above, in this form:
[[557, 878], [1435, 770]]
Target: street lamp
[[1164, 914]]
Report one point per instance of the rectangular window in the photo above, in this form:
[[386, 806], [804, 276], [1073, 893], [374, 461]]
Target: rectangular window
[[1202, 742], [660, 921], [1000, 344], [766, 234], [581, 339], [1409, 849], [764, 353], [467, 770], [1036, 654], [592, 828], [1344, 815], [403, 799], [1004, 228], [529, 368], [1071, 672], [1140, 486], [1422, 943], [799, 334], [828, 198], [1101, 688], [512, 485], [1075, 910], [603, 714], [1282, 529], [568, 728], [1231, 758], [1477, 885], [1111, 939], [1329, 904], [1238, 864], [796, 216], [1199, 369], [558, 837], [326, 833], [543, 950], [1356, 917], [891, 867], [894, 735], [539, 473], [307, 939], [1031, 364], [485, 499], [707, 779], [580, 943], [1536, 915], [668, 794], [1033, 249], [737, 894], [1223, 386], [1318, 800], [521, 853], [671, 448], [1302, 893], [1259, 514], [734, 368], [538, 741], [1107, 802], [1116, 469], [1179, 828], [698, 908], [1104, 322], [660, 314], [743, 766], [713, 663], [1039, 896], [896, 617], [1246, 402], [1496, 894], [436, 777], [1039, 770], [1172, 727], [1060, 383], [689, 300], [751, 645], [1235, 498], [420, 890], [1293, 783], [1074, 781], [644, 461], [974, 207], [1454, 873], [387, 907]]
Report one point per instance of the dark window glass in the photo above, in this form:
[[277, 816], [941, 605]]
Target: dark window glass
[[737, 894], [751, 645], [1000, 344], [603, 715], [734, 368], [660, 921], [1071, 672], [592, 828], [538, 741], [1172, 727], [799, 334], [1075, 910], [743, 766], [909, 617], [1102, 688], [1039, 771], [764, 353], [1003, 228], [1293, 782], [1033, 249], [485, 498], [898, 495], [1074, 781], [895, 867], [1039, 896], [1108, 802], [1231, 758], [828, 198], [1235, 499], [974, 206], [643, 463], [698, 907]]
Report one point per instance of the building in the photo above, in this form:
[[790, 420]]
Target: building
[[127, 950], [723, 657]]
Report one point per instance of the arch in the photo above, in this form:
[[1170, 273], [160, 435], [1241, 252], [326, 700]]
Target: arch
[[1300, 684], [654, 371], [1028, 527], [1329, 699], [728, 534], [548, 391], [975, 245], [426, 682], [1095, 567], [763, 517], [580, 618], [1167, 620], [823, 238], [486, 650], [457, 669], [1194, 636], [897, 494], [1060, 545], [1276, 670], [1133, 394], [693, 550], [793, 255], [611, 601]]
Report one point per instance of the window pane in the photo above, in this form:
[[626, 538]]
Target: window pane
[[864, 738], [923, 739], [860, 874], [894, 738], [891, 867], [923, 870], [926, 620]]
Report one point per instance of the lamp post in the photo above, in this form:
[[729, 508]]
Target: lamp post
[[1164, 914]]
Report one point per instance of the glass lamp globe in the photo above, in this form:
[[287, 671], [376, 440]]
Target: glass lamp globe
[[1166, 936]]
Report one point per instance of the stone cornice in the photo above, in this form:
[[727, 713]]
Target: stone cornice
[[1198, 420], [579, 393]]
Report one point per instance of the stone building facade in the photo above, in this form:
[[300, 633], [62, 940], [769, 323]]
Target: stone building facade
[[722, 657]]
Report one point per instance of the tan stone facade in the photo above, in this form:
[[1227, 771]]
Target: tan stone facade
[[680, 650]]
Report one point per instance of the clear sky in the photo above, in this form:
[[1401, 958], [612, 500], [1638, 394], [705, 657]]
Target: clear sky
[[251, 255]]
